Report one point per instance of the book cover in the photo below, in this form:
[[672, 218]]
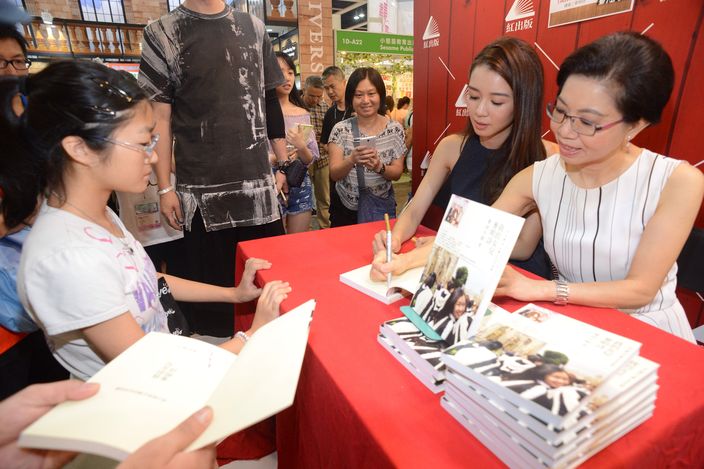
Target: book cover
[[401, 285], [162, 379], [469, 255], [549, 364], [634, 382]]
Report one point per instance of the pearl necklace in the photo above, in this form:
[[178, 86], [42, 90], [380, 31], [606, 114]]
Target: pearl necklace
[[125, 244]]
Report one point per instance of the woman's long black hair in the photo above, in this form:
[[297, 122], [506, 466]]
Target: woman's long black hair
[[294, 96]]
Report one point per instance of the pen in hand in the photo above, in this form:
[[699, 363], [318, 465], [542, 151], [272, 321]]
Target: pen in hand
[[388, 248]]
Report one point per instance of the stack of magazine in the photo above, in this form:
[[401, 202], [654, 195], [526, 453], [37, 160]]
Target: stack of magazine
[[540, 389], [455, 288]]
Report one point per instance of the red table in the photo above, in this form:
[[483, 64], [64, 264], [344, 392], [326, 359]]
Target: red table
[[356, 406]]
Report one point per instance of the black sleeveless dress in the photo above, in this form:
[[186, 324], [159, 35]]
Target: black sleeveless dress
[[466, 180]]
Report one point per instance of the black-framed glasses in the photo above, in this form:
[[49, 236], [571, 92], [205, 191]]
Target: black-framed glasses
[[17, 64], [580, 125], [147, 149]]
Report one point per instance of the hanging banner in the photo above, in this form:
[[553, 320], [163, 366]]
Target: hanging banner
[[573, 11], [360, 41]]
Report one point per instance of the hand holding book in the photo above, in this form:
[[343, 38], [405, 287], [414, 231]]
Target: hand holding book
[[23, 408]]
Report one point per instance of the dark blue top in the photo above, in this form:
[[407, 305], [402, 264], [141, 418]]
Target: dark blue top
[[466, 180]]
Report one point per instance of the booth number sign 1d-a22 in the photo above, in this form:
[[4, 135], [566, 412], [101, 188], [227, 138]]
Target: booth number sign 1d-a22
[[356, 41]]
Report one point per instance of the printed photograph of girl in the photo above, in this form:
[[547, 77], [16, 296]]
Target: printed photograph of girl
[[446, 300], [522, 364]]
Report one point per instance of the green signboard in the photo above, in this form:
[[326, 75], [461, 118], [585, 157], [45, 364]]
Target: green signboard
[[360, 41]]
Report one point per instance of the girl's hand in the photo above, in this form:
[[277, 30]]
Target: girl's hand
[[280, 182], [247, 290], [295, 138], [269, 302]]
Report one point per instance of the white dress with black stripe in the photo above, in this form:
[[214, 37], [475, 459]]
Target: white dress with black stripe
[[591, 235]]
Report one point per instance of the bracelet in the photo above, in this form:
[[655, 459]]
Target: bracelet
[[242, 336], [165, 190], [562, 292], [382, 170]]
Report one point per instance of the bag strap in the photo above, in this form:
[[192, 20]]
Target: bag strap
[[360, 169]]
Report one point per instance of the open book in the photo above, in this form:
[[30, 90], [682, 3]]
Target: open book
[[400, 286], [162, 379]]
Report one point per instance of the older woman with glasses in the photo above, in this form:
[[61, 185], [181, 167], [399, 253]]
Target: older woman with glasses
[[614, 216]]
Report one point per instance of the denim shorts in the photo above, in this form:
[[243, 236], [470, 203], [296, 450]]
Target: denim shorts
[[300, 199]]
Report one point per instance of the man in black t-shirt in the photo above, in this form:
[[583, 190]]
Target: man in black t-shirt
[[211, 74], [335, 84]]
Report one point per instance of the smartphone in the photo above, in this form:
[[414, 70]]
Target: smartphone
[[305, 130], [368, 142]]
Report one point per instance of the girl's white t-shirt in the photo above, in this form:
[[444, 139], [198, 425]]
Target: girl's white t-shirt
[[74, 274]]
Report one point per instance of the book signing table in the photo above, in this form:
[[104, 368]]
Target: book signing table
[[356, 406]]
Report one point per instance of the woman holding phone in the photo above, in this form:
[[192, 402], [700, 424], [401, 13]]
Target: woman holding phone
[[379, 148], [297, 206]]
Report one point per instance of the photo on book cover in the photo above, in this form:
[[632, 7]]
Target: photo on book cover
[[542, 357], [522, 364], [468, 257]]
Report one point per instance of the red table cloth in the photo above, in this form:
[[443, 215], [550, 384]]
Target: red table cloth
[[356, 406]]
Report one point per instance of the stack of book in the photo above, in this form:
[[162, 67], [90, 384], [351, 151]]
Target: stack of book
[[415, 351], [419, 354], [540, 389]]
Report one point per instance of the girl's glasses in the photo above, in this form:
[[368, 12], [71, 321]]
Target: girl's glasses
[[147, 149]]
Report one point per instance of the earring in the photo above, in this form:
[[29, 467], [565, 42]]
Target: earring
[[628, 142]]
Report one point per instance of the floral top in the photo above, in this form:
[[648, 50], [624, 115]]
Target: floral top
[[390, 146]]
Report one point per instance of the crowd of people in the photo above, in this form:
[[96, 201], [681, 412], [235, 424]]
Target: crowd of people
[[238, 153]]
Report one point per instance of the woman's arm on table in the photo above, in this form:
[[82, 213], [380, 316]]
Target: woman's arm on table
[[658, 249]]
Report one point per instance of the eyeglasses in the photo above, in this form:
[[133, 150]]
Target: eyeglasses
[[17, 64], [147, 149], [578, 124]]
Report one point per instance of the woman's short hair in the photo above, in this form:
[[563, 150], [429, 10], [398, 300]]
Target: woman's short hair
[[635, 67], [374, 77]]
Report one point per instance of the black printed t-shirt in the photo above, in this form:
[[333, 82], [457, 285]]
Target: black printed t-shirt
[[214, 70]]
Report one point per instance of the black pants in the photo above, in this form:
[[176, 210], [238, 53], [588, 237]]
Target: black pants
[[209, 257], [339, 214], [27, 362]]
